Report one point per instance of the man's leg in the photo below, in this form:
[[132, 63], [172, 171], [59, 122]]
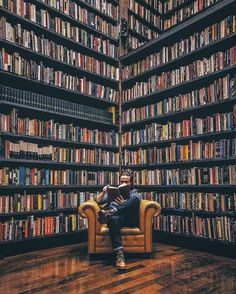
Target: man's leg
[[115, 223]]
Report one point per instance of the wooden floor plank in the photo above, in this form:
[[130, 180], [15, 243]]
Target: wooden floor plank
[[70, 270]]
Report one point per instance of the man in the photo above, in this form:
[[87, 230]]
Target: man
[[122, 213]]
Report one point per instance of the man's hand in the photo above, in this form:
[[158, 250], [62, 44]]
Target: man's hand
[[105, 188], [120, 199]]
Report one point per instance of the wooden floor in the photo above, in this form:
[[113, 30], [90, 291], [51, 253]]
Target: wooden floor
[[69, 270]]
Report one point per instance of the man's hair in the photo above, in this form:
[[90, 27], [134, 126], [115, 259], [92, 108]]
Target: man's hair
[[128, 174]]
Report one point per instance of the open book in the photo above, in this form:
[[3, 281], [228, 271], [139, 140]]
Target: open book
[[113, 192]]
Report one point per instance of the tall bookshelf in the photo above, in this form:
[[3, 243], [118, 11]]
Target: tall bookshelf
[[144, 21], [59, 139], [178, 123]]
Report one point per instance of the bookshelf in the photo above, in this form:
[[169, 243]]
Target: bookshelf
[[144, 22], [191, 174], [59, 72]]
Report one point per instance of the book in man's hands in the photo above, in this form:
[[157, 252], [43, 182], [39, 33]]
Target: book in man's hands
[[114, 192]]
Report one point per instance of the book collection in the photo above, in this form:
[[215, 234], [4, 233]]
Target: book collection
[[178, 113], [223, 148], [58, 96], [61, 29], [39, 44], [13, 124], [178, 120], [144, 21], [199, 68], [221, 89], [184, 13], [32, 151], [196, 41]]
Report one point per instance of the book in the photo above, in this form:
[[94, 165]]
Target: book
[[114, 192]]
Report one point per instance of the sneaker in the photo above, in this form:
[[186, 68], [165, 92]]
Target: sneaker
[[120, 260], [103, 215]]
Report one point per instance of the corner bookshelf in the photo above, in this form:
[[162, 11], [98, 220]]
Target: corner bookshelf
[[144, 21], [175, 139], [59, 73]]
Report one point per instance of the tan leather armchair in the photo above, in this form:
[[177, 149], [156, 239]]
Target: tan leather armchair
[[138, 239]]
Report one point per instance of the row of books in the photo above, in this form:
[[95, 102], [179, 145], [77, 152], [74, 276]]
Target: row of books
[[38, 43], [139, 9], [187, 11], [41, 226], [78, 35], [152, 18], [197, 40], [48, 201], [221, 89], [12, 123], [22, 175], [154, 132], [206, 202], [48, 20], [43, 102], [73, 9], [134, 42], [32, 151], [181, 152], [30, 69], [141, 28], [216, 175], [201, 67], [213, 228]]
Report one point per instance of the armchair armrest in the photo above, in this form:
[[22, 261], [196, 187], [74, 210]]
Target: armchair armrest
[[148, 209], [84, 207]]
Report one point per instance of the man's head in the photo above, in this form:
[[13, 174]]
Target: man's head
[[126, 178]]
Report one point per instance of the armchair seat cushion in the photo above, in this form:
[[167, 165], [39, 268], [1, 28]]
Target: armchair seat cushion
[[124, 231]]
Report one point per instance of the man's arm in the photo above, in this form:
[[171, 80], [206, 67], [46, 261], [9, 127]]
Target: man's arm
[[101, 196]]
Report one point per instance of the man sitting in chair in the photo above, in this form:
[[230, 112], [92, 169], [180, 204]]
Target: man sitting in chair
[[120, 213]]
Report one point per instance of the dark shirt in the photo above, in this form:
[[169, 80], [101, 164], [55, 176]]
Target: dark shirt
[[132, 194]]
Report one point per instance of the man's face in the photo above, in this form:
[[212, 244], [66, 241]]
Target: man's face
[[125, 180]]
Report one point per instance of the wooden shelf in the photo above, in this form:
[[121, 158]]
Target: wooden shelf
[[216, 12], [56, 37], [184, 59], [57, 142], [183, 164], [51, 187], [186, 188], [54, 91], [180, 88], [204, 137], [58, 64], [175, 116]]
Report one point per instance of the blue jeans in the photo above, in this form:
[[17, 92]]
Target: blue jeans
[[127, 215]]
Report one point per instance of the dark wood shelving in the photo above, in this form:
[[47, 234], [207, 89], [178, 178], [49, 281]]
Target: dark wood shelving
[[138, 35], [178, 7], [73, 70], [184, 59], [42, 237], [214, 13], [204, 137], [199, 212], [73, 21], [179, 88], [191, 237], [57, 37], [57, 142], [53, 91], [186, 188], [51, 187], [149, 7], [20, 214], [200, 109], [96, 11], [184, 164], [145, 22], [48, 163]]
